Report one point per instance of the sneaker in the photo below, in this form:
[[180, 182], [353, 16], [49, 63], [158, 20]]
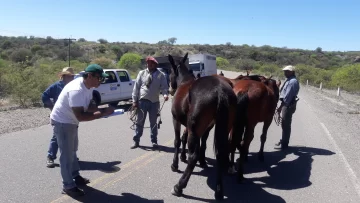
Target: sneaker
[[50, 163], [79, 180], [135, 145], [73, 192]]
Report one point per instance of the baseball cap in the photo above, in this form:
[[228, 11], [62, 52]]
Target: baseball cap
[[150, 58], [95, 68]]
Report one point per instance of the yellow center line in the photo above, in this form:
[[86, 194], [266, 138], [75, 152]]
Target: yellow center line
[[125, 166]]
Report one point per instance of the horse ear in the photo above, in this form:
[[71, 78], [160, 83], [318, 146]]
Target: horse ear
[[184, 58], [171, 60], [270, 77]]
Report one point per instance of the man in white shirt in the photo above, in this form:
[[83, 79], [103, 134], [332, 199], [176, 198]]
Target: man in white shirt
[[148, 85], [73, 106]]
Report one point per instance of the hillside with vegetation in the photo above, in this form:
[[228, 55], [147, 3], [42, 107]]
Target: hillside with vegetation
[[29, 64]]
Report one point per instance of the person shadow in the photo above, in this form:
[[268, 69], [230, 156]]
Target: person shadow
[[93, 195], [108, 167], [283, 175], [286, 175]]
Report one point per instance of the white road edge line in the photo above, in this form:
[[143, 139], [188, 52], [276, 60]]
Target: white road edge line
[[351, 172]]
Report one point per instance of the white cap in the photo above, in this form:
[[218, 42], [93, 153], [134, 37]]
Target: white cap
[[289, 68]]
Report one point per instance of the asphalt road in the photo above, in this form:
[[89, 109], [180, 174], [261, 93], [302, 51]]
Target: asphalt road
[[319, 166]]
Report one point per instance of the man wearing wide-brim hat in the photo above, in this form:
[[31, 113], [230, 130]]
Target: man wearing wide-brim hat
[[288, 98], [53, 92]]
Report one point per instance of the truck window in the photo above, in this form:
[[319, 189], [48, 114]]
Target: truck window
[[124, 77], [111, 78], [195, 66]]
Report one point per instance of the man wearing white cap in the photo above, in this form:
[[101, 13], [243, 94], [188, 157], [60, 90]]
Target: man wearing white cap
[[288, 98], [53, 92]]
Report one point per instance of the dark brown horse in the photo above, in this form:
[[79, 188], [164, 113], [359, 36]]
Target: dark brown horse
[[257, 102], [199, 105]]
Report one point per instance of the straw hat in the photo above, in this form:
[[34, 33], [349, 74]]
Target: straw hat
[[67, 71]]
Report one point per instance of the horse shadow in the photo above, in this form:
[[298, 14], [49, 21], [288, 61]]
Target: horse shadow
[[283, 175], [108, 167], [94, 195]]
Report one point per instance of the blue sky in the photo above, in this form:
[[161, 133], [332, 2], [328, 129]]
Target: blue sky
[[295, 24]]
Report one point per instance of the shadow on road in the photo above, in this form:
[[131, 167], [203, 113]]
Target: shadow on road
[[108, 167], [94, 195], [283, 175]]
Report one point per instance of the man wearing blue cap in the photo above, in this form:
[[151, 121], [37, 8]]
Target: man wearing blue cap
[[73, 106]]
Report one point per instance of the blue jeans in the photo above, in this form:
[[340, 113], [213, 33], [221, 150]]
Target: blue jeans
[[67, 139], [53, 147], [147, 107]]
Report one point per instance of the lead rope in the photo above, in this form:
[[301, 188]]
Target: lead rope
[[133, 112], [277, 118]]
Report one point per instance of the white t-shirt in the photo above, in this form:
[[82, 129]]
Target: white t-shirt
[[74, 94]]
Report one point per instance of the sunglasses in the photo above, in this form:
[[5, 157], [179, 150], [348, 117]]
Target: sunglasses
[[100, 78]]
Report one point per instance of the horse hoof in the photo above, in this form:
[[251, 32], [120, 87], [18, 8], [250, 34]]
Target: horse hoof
[[232, 170], [174, 168], [240, 180], [176, 192], [183, 159], [219, 196], [204, 165]]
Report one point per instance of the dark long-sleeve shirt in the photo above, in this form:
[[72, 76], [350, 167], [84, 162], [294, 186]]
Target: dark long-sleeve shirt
[[52, 92]]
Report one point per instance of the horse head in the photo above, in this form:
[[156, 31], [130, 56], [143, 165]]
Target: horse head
[[274, 85], [179, 73]]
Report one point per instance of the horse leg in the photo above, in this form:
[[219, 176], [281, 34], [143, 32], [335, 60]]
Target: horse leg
[[184, 138], [194, 150], [263, 138], [249, 135], [204, 138], [177, 127]]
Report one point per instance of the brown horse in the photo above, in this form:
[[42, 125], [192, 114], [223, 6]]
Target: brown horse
[[257, 102], [199, 105]]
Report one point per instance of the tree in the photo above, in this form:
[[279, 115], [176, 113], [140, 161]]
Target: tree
[[172, 40], [130, 61], [222, 63], [103, 62], [21, 55], [102, 41]]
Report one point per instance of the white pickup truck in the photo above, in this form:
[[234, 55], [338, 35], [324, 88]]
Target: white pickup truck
[[117, 87]]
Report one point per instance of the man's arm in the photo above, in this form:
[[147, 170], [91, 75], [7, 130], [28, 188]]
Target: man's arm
[[77, 101], [46, 95], [92, 107], [136, 89]]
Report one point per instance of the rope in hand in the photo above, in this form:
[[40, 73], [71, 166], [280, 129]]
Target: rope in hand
[[133, 116], [277, 117]]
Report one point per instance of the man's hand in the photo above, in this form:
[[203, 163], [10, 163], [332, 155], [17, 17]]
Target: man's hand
[[166, 97], [108, 111], [135, 104]]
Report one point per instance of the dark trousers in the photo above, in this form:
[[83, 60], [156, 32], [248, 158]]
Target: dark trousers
[[286, 114]]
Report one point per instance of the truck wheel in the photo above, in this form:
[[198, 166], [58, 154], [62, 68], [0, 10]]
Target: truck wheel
[[96, 97]]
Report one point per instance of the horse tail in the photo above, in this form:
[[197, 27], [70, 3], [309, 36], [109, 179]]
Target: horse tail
[[240, 117], [221, 131]]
